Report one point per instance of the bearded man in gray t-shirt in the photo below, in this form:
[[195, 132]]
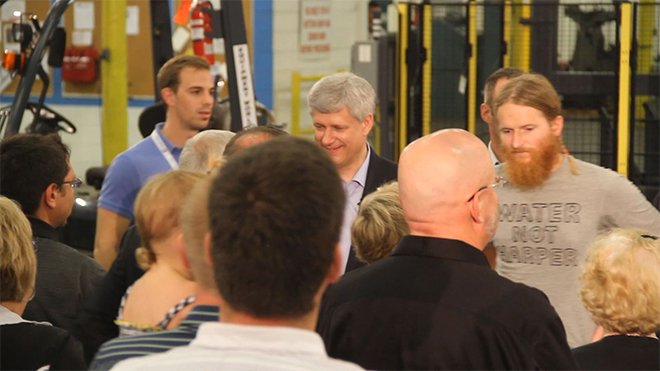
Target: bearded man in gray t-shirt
[[554, 204]]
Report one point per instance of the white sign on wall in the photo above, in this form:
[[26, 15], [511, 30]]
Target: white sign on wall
[[315, 26], [245, 87], [83, 15]]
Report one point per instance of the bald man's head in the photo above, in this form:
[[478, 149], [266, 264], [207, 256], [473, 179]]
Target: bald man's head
[[444, 183], [251, 137]]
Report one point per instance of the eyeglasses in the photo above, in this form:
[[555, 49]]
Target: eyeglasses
[[75, 183], [499, 181]]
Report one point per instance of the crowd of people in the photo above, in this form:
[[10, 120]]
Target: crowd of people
[[258, 250]]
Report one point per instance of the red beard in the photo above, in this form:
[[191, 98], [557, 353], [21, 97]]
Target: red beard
[[532, 173]]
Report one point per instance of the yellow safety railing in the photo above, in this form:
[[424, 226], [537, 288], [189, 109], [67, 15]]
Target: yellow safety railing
[[623, 119], [402, 110], [518, 54], [506, 33], [472, 68], [646, 16], [426, 70], [296, 80]]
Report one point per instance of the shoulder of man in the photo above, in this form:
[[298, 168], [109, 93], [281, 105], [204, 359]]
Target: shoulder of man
[[122, 348], [380, 171], [129, 159], [51, 344], [65, 257], [386, 166], [349, 288], [125, 176]]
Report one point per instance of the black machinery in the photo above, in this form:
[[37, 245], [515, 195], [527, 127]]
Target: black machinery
[[35, 39]]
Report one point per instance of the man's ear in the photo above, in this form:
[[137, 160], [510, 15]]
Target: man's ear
[[476, 208], [50, 195], [557, 125], [336, 266], [368, 123], [208, 252], [484, 110], [168, 96]]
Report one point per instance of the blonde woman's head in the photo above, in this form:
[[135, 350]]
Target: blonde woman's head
[[157, 209], [621, 281], [18, 263], [379, 224]]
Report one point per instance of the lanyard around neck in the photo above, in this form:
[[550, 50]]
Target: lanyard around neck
[[158, 141]]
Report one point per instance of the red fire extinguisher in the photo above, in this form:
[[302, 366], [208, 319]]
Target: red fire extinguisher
[[201, 30]]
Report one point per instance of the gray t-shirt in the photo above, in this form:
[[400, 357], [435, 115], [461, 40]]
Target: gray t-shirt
[[544, 233]]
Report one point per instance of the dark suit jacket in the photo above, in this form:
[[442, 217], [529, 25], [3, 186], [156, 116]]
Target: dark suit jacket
[[619, 352], [96, 322], [380, 171], [66, 278], [435, 304], [30, 346]]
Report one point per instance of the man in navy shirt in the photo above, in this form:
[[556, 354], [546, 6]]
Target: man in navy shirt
[[435, 303]]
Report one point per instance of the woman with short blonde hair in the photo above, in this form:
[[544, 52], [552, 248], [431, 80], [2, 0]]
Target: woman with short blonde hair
[[379, 224], [25, 344], [161, 298], [621, 290], [18, 266]]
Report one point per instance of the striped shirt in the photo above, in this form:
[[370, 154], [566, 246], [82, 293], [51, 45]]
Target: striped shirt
[[225, 346], [118, 349]]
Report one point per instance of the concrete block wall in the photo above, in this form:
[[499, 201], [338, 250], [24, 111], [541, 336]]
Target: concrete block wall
[[86, 143], [348, 25]]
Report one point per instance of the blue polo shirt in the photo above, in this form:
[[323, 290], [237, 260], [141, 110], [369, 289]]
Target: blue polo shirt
[[130, 170]]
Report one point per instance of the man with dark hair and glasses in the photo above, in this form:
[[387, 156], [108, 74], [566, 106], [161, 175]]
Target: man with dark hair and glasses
[[35, 172], [434, 303]]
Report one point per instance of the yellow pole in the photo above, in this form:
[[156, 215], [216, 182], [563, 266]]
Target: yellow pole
[[520, 47], [472, 68], [403, 75], [426, 72], [646, 12], [506, 31], [114, 127], [525, 37], [295, 103], [296, 87], [623, 119]]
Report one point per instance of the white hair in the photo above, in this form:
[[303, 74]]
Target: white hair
[[204, 150]]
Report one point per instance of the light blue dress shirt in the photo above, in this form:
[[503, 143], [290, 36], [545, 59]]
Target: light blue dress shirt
[[353, 190]]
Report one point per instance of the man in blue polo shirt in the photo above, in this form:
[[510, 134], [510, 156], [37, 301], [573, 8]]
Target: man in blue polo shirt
[[186, 86]]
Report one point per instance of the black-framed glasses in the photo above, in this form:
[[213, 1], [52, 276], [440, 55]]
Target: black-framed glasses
[[75, 183], [499, 181]]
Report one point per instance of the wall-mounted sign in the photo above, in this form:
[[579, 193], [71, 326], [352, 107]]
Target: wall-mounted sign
[[315, 27]]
